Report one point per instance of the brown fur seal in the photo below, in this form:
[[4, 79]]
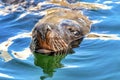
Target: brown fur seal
[[59, 30], [62, 28]]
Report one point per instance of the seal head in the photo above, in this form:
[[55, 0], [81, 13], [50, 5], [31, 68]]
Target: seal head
[[59, 31]]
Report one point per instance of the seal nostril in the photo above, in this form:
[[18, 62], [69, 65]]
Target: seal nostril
[[70, 29]]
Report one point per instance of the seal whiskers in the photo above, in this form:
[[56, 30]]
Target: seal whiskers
[[57, 43]]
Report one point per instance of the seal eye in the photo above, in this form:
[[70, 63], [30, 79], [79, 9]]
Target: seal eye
[[76, 33]]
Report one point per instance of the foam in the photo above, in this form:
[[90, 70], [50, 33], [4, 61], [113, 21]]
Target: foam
[[4, 47], [6, 76]]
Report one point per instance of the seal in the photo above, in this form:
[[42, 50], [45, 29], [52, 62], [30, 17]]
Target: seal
[[59, 31]]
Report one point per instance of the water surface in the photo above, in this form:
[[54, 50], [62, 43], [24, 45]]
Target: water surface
[[95, 59]]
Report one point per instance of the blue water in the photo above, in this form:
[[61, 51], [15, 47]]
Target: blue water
[[95, 59]]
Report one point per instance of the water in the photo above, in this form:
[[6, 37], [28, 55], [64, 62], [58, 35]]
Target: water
[[95, 59]]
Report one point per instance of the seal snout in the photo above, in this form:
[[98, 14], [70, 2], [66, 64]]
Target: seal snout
[[46, 39]]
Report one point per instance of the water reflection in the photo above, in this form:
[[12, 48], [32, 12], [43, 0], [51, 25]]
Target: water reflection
[[49, 64]]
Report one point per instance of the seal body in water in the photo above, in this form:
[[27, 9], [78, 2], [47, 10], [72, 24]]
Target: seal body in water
[[59, 30]]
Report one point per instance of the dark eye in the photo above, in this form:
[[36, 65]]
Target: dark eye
[[76, 33]]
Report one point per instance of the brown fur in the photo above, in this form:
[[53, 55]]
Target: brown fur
[[49, 35]]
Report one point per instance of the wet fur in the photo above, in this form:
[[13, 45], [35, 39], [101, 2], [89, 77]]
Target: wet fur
[[47, 37]]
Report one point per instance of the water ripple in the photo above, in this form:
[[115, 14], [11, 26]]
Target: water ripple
[[96, 58]]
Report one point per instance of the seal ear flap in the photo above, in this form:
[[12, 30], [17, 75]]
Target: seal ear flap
[[42, 30]]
